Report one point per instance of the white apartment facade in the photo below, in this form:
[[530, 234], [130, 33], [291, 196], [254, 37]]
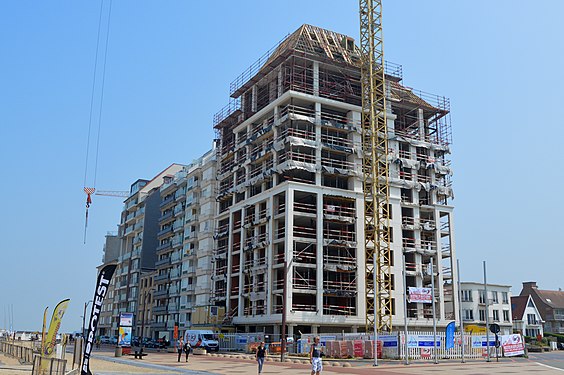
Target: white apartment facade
[[291, 192], [182, 280], [474, 309]]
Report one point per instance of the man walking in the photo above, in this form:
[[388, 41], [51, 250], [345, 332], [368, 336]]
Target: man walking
[[187, 349], [315, 355], [260, 355], [180, 347]]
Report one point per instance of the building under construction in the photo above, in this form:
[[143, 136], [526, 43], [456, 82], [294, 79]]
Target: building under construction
[[290, 192]]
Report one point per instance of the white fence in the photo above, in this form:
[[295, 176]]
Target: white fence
[[420, 344]]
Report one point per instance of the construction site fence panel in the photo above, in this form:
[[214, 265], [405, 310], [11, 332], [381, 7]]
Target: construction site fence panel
[[392, 346], [247, 342]]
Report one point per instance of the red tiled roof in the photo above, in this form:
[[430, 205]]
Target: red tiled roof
[[518, 306], [553, 298]]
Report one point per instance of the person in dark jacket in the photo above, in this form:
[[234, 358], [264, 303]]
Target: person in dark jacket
[[179, 347], [260, 355]]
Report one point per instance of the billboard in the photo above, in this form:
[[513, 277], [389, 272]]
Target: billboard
[[126, 319], [512, 345], [124, 336], [420, 295]]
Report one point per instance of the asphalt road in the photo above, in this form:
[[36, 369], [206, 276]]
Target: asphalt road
[[553, 359]]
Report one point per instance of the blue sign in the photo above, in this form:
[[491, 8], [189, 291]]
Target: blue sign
[[388, 341], [450, 335], [481, 342], [422, 341], [241, 340]]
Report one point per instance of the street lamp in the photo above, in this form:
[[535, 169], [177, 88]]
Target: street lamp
[[84, 319]]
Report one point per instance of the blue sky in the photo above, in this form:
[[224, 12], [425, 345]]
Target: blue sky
[[169, 66]]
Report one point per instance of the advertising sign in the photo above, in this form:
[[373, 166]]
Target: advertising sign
[[420, 295], [124, 336], [512, 345], [421, 341], [388, 341], [450, 335], [101, 290], [126, 319], [481, 342], [51, 339]]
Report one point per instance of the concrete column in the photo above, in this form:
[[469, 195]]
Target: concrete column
[[315, 329], [316, 78], [318, 140], [254, 98], [269, 251], [280, 81], [361, 258], [439, 260], [289, 247], [421, 124], [290, 332], [319, 254], [354, 118]]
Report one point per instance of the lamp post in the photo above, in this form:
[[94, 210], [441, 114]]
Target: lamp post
[[84, 319]]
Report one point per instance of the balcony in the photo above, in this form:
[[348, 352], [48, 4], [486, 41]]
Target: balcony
[[164, 246], [164, 231], [161, 277], [130, 204], [161, 262], [159, 309], [165, 216]]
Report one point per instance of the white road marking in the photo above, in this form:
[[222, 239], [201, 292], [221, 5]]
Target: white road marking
[[554, 368]]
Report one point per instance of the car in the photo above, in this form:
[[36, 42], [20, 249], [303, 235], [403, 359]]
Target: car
[[105, 339]]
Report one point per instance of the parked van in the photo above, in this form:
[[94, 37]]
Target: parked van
[[202, 339]]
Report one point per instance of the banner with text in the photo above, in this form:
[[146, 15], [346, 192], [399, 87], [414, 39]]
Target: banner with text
[[51, 338], [102, 284], [512, 345], [420, 295]]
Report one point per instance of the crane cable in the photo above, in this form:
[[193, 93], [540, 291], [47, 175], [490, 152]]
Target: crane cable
[[90, 190]]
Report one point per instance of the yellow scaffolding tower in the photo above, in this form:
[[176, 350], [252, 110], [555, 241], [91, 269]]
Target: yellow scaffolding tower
[[375, 169]]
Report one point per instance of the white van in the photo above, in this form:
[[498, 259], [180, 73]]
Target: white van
[[202, 339]]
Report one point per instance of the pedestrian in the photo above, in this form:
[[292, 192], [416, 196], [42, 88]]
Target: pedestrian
[[315, 355], [260, 355], [187, 349], [180, 347]]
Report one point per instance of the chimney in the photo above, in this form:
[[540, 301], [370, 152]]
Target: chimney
[[529, 285]]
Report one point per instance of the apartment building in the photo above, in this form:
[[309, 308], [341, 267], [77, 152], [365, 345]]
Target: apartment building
[[138, 243], [290, 193], [182, 281], [111, 255], [473, 304]]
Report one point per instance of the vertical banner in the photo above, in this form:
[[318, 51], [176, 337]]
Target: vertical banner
[[43, 329], [102, 284], [51, 338], [450, 335]]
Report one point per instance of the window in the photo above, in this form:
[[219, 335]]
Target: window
[[466, 296], [496, 315], [468, 314], [531, 319], [505, 315], [482, 297], [505, 297], [482, 315], [494, 297]]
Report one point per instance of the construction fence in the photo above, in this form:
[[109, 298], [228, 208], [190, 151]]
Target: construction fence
[[360, 345]]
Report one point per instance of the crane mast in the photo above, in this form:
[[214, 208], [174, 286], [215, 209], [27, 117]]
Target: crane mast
[[375, 169]]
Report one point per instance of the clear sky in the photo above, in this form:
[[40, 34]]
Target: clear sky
[[169, 66]]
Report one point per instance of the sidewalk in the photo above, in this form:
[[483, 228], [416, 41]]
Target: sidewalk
[[167, 363]]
